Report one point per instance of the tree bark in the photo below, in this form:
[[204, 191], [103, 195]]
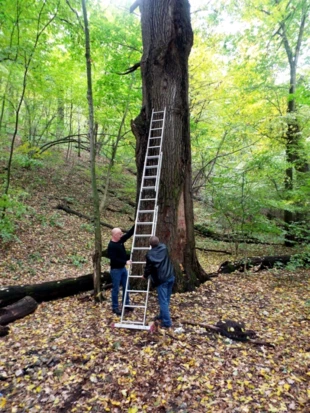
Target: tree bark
[[51, 290], [20, 309], [167, 40]]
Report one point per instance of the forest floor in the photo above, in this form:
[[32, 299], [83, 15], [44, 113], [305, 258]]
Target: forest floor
[[68, 357]]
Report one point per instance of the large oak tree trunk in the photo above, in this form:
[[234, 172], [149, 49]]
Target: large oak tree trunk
[[167, 40]]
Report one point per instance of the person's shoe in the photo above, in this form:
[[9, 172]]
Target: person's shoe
[[117, 311]]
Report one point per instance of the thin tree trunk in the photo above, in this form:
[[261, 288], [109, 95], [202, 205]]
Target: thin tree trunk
[[70, 130], [98, 242]]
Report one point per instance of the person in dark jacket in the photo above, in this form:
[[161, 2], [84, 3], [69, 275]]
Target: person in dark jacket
[[159, 267], [118, 261]]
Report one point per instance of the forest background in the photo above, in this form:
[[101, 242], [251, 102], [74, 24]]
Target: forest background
[[249, 172], [249, 102]]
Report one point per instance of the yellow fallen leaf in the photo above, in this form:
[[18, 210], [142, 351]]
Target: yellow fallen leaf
[[2, 402], [133, 410]]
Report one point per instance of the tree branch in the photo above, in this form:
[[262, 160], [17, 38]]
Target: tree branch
[[130, 69]]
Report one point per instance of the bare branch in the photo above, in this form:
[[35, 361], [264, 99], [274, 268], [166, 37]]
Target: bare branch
[[76, 13], [130, 70], [134, 6]]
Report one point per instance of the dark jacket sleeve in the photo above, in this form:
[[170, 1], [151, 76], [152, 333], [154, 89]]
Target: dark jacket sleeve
[[128, 234], [148, 268]]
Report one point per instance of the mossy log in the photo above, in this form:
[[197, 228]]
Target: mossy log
[[51, 290]]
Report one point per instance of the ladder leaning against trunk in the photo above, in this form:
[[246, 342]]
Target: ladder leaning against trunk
[[145, 226]]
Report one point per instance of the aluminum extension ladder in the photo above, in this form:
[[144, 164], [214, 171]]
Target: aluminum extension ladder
[[145, 225]]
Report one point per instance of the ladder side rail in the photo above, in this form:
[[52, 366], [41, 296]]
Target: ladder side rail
[[146, 300]]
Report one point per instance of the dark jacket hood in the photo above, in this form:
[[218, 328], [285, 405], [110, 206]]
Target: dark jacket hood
[[158, 253]]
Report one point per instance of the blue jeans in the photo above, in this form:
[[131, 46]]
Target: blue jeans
[[164, 292], [119, 277]]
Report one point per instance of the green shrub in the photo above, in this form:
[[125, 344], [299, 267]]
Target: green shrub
[[26, 162], [77, 260], [11, 209]]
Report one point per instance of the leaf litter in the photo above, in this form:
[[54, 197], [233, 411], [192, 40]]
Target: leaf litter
[[67, 357]]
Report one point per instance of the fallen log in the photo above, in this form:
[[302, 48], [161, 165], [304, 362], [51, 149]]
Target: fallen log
[[211, 250], [80, 215], [256, 263], [20, 309], [4, 331], [51, 290], [233, 237]]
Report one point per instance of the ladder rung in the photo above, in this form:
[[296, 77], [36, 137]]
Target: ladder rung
[[136, 306], [151, 166], [132, 322], [154, 147], [141, 248], [155, 137], [148, 187], [146, 211], [133, 326], [143, 235], [148, 199], [138, 262], [156, 129], [159, 111], [152, 157], [145, 223], [150, 177], [136, 291], [135, 276]]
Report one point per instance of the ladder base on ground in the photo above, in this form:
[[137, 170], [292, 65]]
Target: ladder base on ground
[[132, 326]]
